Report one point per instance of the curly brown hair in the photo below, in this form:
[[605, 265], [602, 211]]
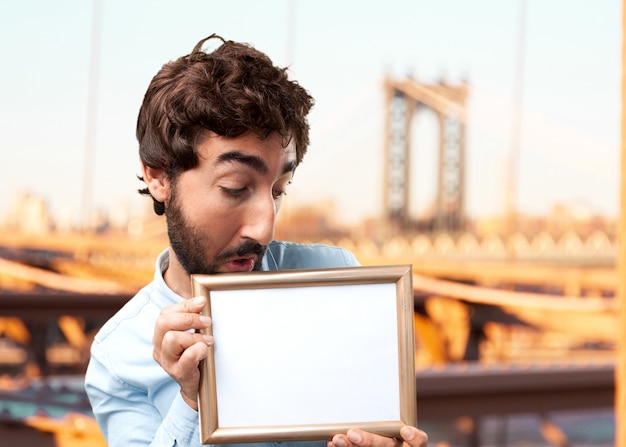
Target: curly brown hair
[[230, 91]]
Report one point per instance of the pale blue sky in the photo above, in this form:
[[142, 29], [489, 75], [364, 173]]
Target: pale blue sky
[[340, 52]]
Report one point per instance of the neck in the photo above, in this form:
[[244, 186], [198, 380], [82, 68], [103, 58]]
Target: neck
[[176, 277]]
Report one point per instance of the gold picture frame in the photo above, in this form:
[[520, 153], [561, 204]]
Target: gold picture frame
[[306, 354]]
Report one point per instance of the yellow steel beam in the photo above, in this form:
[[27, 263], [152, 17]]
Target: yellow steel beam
[[590, 318]]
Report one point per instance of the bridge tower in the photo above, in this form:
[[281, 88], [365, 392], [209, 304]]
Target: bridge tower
[[403, 99]]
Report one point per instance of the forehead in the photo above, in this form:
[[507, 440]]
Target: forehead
[[247, 152], [272, 147]]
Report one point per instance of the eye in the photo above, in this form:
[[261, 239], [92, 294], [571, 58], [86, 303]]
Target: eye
[[233, 192], [278, 194]]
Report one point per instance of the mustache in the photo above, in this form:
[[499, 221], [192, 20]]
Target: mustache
[[246, 248]]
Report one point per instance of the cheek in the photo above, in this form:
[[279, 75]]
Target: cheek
[[218, 223], [202, 208]]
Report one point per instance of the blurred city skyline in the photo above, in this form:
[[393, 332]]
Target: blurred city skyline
[[340, 52]]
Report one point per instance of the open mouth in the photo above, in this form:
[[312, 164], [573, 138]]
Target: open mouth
[[240, 265]]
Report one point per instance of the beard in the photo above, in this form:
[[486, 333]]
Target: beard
[[192, 246]]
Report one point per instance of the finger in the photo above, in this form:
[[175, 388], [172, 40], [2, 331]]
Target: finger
[[175, 328], [187, 373], [366, 439], [413, 436], [182, 317], [185, 368], [339, 440], [194, 354], [180, 322], [193, 305], [175, 343]]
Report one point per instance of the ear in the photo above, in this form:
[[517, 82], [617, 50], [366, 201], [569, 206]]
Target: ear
[[157, 181]]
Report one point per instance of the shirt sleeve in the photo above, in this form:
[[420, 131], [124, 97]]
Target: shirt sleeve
[[282, 255], [128, 418]]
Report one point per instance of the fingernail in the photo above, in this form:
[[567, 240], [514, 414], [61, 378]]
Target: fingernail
[[205, 320], [407, 433], [340, 442], [198, 300], [354, 436], [208, 339]]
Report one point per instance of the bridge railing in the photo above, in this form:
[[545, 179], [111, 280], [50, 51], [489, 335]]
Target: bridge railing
[[596, 248]]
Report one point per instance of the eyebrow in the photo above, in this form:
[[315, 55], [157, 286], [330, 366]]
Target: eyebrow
[[252, 161]]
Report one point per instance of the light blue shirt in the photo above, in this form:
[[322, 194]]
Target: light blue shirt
[[135, 402]]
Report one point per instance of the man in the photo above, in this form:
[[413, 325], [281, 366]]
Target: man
[[220, 135]]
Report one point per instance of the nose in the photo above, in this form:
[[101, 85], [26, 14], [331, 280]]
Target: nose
[[260, 220]]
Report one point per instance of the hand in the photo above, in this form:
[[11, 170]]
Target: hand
[[411, 437], [178, 351]]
